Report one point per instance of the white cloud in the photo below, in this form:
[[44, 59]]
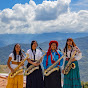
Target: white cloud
[[50, 16], [51, 10]]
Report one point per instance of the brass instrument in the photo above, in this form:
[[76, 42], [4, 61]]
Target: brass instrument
[[51, 69], [17, 70], [32, 68], [70, 65]]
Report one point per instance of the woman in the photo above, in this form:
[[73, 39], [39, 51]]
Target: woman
[[72, 79], [54, 79], [15, 58], [35, 79]]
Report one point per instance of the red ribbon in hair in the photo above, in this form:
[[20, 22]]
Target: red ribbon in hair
[[49, 52]]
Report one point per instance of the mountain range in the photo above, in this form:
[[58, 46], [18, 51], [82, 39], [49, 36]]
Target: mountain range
[[82, 43], [7, 39]]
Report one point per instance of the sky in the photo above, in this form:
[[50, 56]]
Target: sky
[[75, 4], [43, 16]]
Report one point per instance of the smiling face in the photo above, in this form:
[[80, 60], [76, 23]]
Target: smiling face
[[17, 48], [53, 46], [34, 46]]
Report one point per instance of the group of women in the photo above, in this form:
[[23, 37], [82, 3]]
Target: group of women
[[37, 79]]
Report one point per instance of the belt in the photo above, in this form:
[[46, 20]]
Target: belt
[[67, 59], [34, 61], [17, 63]]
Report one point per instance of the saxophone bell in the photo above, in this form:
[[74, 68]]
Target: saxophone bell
[[73, 66]]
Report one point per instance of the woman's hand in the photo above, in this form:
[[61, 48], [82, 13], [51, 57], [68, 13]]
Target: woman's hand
[[58, 66], [12, 70], [73, 60], [36, 64], [22, 64], [63, 71], [40, 60]]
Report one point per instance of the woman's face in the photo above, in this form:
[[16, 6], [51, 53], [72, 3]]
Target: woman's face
[[17, 48], [53, 46], [69, 42], [34, 46]]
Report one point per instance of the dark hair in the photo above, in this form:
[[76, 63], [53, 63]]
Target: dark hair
[[73, 44], [20, 53], [33, 43]]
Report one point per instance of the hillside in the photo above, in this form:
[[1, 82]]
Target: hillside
[[4, 69], [27, 38], [82, 43]]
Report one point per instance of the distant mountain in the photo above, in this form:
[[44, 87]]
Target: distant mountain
[[6, 39], [82, 43]]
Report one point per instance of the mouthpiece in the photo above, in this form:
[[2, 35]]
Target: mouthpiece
[[40, 48], [59, 49], [23, 50]]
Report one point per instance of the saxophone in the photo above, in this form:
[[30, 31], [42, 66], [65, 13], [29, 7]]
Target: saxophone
[[32, 68], [17, 70], [51, 69], [70, 65]]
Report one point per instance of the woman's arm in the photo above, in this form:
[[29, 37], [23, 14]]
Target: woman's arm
[[8, 63], [44, 62], [61, 61], [33, 63], [78, 55]]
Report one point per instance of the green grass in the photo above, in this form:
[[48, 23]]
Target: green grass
[[85, 84]]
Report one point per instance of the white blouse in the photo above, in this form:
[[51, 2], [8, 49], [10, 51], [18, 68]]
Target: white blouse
[[77, 56], [17, 57], [38, 54], [13, 66]]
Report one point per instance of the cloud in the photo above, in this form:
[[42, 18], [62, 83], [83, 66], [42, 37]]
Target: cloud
[[50, 16], [51, 10]]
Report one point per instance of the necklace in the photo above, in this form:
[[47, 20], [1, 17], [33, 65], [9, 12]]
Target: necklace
[[53, 56]]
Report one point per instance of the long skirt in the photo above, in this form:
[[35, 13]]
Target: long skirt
[[72, 79], [35, 79], [53, 80], [16, 82]]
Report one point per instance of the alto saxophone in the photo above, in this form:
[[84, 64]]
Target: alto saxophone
[[32, 68], [70, 65], [51, 69], [17, 70]]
